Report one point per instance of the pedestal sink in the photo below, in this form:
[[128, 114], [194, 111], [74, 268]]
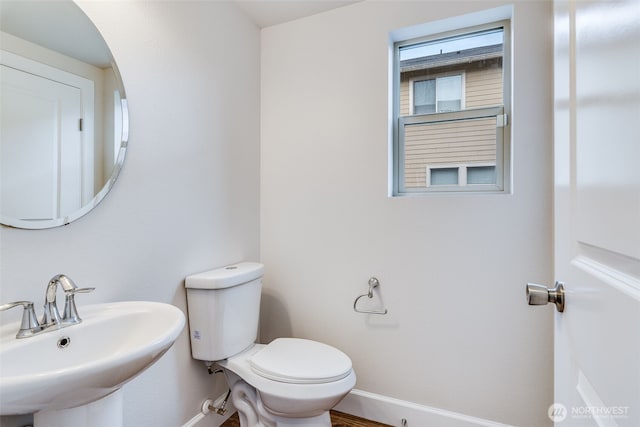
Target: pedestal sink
[[69, 374]]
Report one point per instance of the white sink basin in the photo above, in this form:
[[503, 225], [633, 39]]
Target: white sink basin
[[114, 343]]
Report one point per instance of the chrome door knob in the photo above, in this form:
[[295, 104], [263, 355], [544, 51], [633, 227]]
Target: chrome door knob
[[541, 295]]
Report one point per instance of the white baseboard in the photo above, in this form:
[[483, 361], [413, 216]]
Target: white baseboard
[[392, 411]]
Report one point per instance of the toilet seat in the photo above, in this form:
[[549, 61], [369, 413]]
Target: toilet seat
[[300, 361], [294, 397]]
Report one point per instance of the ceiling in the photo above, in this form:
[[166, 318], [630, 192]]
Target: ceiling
[[58, 24], [266, 13]]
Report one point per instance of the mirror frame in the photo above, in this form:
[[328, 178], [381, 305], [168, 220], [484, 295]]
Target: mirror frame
[[117, 167]]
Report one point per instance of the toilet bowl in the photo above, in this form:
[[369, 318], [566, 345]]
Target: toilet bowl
[[293, 378], [289, 382]]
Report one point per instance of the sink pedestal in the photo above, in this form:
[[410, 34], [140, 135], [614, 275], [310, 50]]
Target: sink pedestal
[[105, 412]]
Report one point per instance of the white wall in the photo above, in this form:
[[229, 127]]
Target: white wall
[[187, 199], [459, 335]]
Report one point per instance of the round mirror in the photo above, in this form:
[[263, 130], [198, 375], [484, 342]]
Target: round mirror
[[63, 114]]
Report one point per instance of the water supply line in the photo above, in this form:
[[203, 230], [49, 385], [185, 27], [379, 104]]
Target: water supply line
[[221, 409]]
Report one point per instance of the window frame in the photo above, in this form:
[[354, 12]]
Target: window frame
[[501, 112]]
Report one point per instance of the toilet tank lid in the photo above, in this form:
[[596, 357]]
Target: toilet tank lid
[[225, 277]]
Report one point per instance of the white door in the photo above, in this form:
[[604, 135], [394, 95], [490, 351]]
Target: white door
[[597, 213], [40, 146]]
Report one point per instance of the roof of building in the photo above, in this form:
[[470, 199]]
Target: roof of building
[[452, 58]]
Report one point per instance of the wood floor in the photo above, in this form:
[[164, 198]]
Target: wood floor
[[338, 419]]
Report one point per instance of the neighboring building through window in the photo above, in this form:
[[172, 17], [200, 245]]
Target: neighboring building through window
[[450, 112]]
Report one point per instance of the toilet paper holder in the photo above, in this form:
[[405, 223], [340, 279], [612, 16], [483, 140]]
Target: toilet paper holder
[[373, 283]]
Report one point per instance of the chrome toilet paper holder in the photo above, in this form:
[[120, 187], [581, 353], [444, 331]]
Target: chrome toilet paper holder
[[373, 283]]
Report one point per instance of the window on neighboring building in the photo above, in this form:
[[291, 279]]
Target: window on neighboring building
[[451, 103], [461, 175], [437, 95]]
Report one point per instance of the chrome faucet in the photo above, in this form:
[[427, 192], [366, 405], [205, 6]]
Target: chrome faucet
[[51, 319], [51, 315]]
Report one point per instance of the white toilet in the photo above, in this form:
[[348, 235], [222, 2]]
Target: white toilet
[[289, 382]]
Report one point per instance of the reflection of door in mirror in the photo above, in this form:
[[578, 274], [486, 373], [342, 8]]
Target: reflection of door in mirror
[[46, 151], [54, 44]]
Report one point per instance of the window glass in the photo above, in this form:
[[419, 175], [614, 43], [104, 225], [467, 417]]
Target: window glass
[[450, 111], [424, 96], [444, 176], [449, 90], [481, 174]]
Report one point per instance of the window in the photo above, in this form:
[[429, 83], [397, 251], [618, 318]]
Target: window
[[437, 95], [451, 104], [460, 175]]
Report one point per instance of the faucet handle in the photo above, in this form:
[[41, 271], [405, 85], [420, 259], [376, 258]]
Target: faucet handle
[[79, 291], [29, 324], [70, 314]]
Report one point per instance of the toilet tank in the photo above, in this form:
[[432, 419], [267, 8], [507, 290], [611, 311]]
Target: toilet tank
[[224, 310]]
